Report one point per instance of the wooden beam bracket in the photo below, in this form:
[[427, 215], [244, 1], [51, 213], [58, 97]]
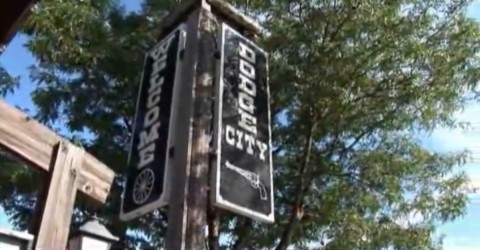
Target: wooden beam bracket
[[33, 142]]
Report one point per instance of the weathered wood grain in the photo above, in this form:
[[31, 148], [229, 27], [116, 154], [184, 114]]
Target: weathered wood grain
[[56, 216], [180, 13], [236, 16], [176, 237], [33, 142]]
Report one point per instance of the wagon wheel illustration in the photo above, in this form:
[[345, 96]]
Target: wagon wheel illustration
[[143, 186]]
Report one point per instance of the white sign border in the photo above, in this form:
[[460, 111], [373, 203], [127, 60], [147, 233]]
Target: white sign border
[[217, 198], [165, 196]]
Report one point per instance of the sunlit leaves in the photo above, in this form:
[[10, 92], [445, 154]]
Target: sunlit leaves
[[7, 82]]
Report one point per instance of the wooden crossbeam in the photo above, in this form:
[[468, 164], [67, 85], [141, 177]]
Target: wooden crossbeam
[[34, 143]]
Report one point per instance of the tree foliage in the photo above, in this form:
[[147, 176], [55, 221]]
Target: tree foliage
[[7, 82], [352, 82]]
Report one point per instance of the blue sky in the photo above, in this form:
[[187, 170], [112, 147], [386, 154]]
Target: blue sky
[[460, 235], [463, 233]]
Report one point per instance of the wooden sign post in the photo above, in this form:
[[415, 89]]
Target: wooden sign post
[[68, 170], [193, 152]]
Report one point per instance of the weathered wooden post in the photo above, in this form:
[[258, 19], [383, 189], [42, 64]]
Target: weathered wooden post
[[62, 191], [201, 130]]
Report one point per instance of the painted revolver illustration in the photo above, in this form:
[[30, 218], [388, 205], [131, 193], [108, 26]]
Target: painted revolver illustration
[[253, 178]]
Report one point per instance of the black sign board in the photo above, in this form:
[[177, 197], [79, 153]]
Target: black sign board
[[147, 184], [243, 170]]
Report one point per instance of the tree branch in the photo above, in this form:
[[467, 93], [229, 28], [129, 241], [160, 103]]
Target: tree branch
[[127, 124], [297, 210]]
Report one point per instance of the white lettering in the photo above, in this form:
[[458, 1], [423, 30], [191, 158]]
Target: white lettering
[[161, 48], [239, 139], [156, 82], [229, 135], [151, 116], [247, 85], [247, 69], [146, 156], [150, 137], [245, 142], [250, 143], [154, 97], [263, 149], [244, 137], [151, 123], [159, 65], [247, 53], [247, 122], [246, 102]]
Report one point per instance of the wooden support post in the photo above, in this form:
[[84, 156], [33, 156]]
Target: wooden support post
[[188, 198], [187, 208], [59, 204], [202, 130]]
